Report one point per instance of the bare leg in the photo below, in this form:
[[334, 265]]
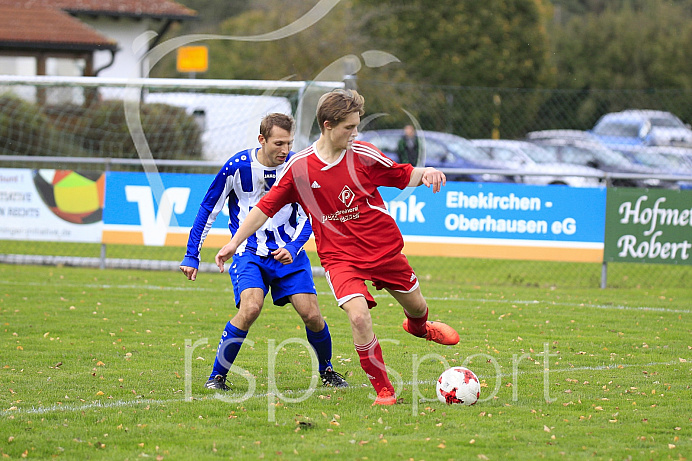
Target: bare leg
[[361, 322], [251, 302], [308, 309], [413, 302]]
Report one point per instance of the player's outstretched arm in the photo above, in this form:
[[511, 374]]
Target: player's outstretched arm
[[253, 221], [429, 176]]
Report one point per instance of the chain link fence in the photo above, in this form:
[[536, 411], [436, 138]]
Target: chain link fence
[[509, 113], [96, 126]]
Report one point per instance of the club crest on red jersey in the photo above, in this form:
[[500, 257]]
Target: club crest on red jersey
[[346, 196]]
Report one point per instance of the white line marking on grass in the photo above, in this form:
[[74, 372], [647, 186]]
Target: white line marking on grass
[[324, 293], [594, 368], [540, 371], [114, 287], [131, 403], [87, 406], [552, 303]]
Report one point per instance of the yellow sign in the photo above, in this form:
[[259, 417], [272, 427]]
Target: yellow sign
[[192, 59]]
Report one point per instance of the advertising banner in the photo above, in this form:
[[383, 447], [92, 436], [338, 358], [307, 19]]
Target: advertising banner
[[508, 221], [158, 210], [650, 226], [51, 205], [511, 221]]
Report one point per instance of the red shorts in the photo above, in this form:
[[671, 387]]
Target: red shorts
[[348, 281]]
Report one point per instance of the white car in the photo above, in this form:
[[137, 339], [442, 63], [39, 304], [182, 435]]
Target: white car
[[560, 133], [536, 165], [672, 160]]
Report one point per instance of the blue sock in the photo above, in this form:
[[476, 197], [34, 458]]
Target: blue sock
[[229, 346], [321, 341]]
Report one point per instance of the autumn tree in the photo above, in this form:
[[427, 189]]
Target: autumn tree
[[643, 48]]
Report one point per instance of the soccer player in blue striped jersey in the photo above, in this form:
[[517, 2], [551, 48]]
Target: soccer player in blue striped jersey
[[272, 259]]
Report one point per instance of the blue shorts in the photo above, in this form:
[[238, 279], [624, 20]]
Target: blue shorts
[[251, 271]]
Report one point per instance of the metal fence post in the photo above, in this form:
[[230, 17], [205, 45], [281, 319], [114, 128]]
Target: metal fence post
[[604, 275], [102, 258]]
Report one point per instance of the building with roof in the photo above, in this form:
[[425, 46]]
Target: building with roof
[[106, 38]]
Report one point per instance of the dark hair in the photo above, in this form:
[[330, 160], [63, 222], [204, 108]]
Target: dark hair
[[276, 119], [337, 105]]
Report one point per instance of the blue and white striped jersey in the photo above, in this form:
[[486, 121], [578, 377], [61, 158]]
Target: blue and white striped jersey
[[241, 182]]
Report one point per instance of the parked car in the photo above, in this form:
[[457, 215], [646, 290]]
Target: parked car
[[676, 160], [642, 128], [596, 155], [442, 151], [570, 134], [672, 160], [532, 158]]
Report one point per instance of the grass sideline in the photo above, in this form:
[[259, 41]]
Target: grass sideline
[[93, 365], [464, 271]]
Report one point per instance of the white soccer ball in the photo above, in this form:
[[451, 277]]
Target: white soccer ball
[[458, 385]]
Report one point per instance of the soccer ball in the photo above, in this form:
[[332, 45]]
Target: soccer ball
[[76, 197], [458, 385]]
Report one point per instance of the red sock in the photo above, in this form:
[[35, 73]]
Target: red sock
[[416, 325], [373, 364]]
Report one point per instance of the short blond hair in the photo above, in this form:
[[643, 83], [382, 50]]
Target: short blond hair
[[337, 105]]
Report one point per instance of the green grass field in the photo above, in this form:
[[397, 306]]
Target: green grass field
[[110, 365]]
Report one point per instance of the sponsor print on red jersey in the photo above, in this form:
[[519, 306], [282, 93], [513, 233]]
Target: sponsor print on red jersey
[[347, 213]]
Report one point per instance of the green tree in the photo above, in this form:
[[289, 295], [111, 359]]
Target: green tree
[[211, 12], [300, 56], [447, 44], [643, 45], [567, 9], [492, 43], [632, 48]]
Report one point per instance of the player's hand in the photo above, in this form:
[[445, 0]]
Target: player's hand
[[434, 178], [190, 272], [224, 254], [283, 256]]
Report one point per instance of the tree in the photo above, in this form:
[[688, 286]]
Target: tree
[[565, 10], [633, 48], [644, 45], [300, 56], [447, 44], [492, 43], [210, 13]]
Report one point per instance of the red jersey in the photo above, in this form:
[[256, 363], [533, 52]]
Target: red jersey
[[347, 213]]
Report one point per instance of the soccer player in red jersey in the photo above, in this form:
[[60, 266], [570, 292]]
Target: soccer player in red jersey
[[335, 180]]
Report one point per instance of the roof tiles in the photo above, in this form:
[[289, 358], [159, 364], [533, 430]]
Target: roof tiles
[[50, 28], [164, 9]]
